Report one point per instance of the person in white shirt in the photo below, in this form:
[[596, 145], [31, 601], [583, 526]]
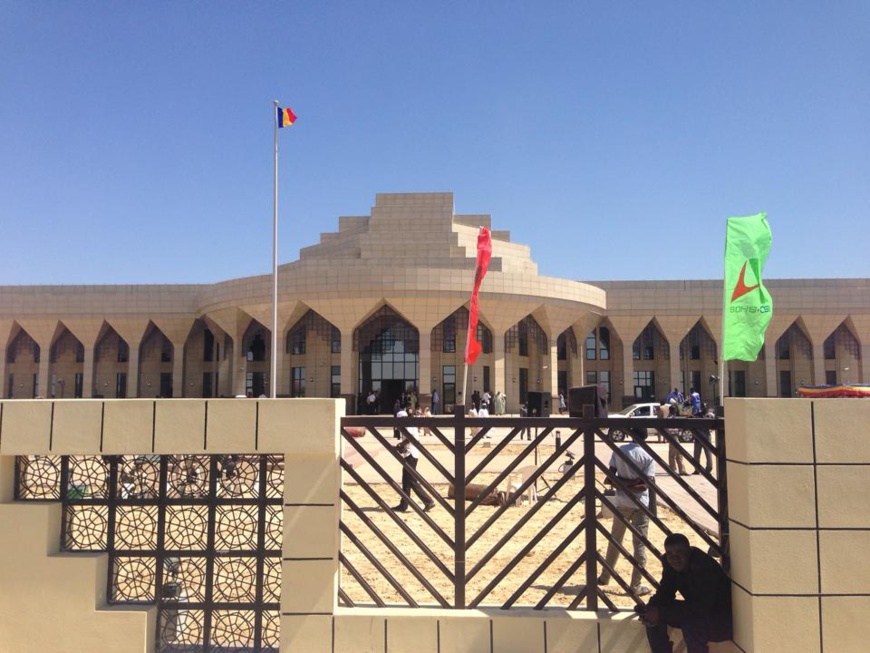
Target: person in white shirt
[[629, 483], [410, 457]]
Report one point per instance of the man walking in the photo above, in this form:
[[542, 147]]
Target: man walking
[[410, 457]]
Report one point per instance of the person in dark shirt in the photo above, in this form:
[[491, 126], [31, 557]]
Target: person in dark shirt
[[704, 613]]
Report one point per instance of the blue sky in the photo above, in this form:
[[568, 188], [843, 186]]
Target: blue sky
[[614, 138]]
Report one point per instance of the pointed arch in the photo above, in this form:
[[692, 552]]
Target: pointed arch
[[388, 351], [313, 347], [156, 354], [66, 365], [22, 365]]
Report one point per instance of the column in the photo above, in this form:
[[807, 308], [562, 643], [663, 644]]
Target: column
[[347, 362], [424, 385], [44, 380], [3, 380], [132, 370], [178, 388], [819, 365], [87, 375], [552, 379], [627, 375], [282, 377], [770, 369], [499, 369], [862, 371], [674, 381]]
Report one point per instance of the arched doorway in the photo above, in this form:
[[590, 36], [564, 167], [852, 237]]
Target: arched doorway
[[389, 357]]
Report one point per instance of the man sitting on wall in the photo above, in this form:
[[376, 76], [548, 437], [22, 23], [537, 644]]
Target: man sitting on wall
[[704, 614]]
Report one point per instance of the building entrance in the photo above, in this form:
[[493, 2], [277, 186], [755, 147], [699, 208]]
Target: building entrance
[[389, 357]]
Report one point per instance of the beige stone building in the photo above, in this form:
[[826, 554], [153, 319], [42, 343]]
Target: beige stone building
[[382, 304]]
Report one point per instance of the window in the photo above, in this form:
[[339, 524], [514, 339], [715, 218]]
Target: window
[[448, 390], [207, 387], [830, 348], [207, 347], [782, 349], [562, 348], [335, 386], [523, 338], [297, 382], [448, 345], [738, 377], [121, 385], [591, 349], [785, 383], [644, 385], [298, 340], [166, 351], [604, 379], [166, 384], [80, 353], [123, 351], [831, 377], [524, 385], [604, 346], [257, 349], [335, 341], [591, 378], [644, 345]]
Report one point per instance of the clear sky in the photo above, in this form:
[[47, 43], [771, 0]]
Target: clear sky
[[614, 138]]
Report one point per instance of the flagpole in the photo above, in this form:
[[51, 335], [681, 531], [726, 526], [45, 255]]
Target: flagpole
[[273, 385]]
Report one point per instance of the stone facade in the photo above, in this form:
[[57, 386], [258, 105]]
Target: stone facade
[[382, 304]]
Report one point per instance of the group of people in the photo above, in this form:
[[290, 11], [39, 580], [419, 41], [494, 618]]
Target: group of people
[[675, 406], [493, 404]]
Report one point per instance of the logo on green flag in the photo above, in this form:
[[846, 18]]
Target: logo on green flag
[[748, 306]]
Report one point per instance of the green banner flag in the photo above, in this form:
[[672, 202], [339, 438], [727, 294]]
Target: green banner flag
[[748, 306]]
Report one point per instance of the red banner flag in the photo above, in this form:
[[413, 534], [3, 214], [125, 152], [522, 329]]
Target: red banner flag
[[484, 254]]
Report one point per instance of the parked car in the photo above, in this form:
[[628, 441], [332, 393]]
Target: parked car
[[645, 410]]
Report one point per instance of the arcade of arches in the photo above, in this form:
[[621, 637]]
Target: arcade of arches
[[388, 353]]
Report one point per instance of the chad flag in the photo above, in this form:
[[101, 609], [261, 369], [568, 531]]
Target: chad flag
[[286, 117]]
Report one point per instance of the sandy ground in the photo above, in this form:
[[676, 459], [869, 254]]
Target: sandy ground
[[401, 543]]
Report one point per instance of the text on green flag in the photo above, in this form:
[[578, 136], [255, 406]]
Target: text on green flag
[[748, 306]]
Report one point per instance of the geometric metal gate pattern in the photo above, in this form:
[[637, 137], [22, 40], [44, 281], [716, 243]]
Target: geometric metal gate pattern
[[198, 536], [522, 510]]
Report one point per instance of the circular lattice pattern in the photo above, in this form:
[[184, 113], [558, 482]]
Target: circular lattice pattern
[[86, 528], [184, 579], [39, 477], [236, 528], [136, 528], [186, 528], [239, 476], [139, 477], [88, 477], [233, 629], [133, 579], [188, 476], [235, 580]]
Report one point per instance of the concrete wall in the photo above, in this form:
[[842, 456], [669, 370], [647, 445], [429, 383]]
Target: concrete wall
[[797, 496], [798, 482]]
